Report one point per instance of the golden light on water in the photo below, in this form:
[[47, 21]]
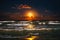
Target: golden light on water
[[30, 26], [31, 38]]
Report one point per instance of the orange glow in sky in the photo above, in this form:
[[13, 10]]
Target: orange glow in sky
[[30, 14]]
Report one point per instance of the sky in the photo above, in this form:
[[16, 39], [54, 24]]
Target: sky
[[45, 7]]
